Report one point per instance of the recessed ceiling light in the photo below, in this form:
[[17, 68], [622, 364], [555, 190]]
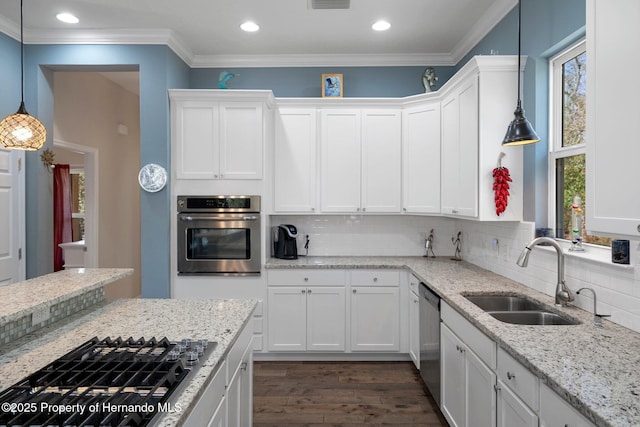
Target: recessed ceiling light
[[381, 26], [250, 27], [67, 18]]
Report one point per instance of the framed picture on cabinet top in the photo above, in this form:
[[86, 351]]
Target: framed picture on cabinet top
[[332, 85]]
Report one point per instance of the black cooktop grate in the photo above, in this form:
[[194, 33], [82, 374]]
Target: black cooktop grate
[[101, 383]]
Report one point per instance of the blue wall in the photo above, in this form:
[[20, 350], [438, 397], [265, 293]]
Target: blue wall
[[366, 82], [548, 27], [160, 70], [9, 75]]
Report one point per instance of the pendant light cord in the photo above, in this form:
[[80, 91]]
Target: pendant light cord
[[519, 47], [21, 55]]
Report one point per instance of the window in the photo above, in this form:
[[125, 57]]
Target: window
[[77, 204], [568, 145]]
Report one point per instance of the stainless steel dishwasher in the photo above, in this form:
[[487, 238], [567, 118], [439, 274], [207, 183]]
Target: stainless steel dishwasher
[[430, 341]]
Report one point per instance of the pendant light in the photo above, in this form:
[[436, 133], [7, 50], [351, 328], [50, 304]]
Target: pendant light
[[22, 131], [520, 131]]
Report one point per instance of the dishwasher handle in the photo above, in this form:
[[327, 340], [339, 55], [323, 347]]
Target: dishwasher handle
[[431, 297]]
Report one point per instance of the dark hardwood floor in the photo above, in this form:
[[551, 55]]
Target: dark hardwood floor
[[346, 394]]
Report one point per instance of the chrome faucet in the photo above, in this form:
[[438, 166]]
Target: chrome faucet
[[563, 293], [597, 318]]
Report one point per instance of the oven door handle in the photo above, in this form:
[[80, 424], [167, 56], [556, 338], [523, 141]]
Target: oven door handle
[[220, 218]]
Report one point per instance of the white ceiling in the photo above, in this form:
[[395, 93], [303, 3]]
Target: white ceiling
[[206, 33]]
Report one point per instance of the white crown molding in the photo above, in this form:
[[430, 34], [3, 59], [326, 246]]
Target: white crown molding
[[10, 28], [321, 60], [482, 27]]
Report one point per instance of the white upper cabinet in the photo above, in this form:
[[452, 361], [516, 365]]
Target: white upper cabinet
[[477, 106], [219, 134], [421, 158], [360, 160], [295, 160], [613, 197]]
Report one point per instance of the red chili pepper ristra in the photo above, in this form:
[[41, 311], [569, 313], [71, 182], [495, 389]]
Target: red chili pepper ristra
[[501, 180]]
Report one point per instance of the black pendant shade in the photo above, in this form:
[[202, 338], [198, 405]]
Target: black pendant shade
[[22, 131], [520, 131]]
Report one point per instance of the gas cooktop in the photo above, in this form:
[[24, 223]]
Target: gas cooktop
[[108, 382]]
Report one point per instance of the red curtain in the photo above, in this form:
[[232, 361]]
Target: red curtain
[[61, 213]]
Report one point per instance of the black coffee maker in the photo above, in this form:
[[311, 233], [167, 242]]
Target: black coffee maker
[[285, 245]]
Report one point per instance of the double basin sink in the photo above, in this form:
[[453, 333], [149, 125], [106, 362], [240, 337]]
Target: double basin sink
[[519, 310]]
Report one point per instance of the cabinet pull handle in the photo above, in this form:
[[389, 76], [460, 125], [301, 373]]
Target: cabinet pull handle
[[510, 375]]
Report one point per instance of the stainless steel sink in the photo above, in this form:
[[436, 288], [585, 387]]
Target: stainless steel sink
[[532, 318], [519, 310], [504, 303]]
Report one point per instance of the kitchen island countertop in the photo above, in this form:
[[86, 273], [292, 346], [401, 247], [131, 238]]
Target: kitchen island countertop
[[215, 320], [596, 370]]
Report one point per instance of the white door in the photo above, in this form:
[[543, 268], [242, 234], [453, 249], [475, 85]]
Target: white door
[[513, 412], [326, 318], [375, 318], [295, 161], [468, 150], [340, 138], [381, 161], [241, 140], [453, 386], [449, 159], [421, 159], [414, 329], [12, 266], [481, 396], [287, 314], [195, 131]]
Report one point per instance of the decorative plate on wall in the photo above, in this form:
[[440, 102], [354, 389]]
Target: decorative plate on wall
[[152, 177]]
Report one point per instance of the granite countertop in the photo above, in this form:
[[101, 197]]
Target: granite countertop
[[597, 370], [214, 320], [22, 298]]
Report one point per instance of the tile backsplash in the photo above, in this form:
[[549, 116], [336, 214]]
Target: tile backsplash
[[494, 246]]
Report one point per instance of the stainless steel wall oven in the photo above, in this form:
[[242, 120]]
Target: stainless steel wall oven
[[219, 235]]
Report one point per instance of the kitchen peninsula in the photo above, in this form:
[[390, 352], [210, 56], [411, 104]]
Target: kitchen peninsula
[[593, 369], [224, 322]]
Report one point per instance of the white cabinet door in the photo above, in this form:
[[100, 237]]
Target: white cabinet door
[[375, 318], [513, 412], [240, 392], [453, 385], [326, 318], [219, 418], [295, 160], [340, 140], [381, 160], [414, 329], [613, 202], [241, 140], [421, 159], [195, 134], [287, 318], [468, 395], [460, 151], [481, 397]]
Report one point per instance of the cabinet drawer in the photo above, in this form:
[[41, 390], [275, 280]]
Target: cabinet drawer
[[481, 344], [519, 379], [375, 278], [555, 411], [304, 277]]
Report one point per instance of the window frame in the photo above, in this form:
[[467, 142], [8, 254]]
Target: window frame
[[556, 150]]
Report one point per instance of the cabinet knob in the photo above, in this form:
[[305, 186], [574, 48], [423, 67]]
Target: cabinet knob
[[364, 209], [357, 209], [215, 176], [454, 211], [313, 209], [404, 209], [309, 291], [354, 291], [306, 279], [510, 375], [304, 291], [375, 279], [243, 366], [496, 387]]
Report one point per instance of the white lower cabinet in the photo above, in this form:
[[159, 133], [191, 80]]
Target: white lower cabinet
[[483, 385], [307, 318], [468, 398], [375, 318]]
